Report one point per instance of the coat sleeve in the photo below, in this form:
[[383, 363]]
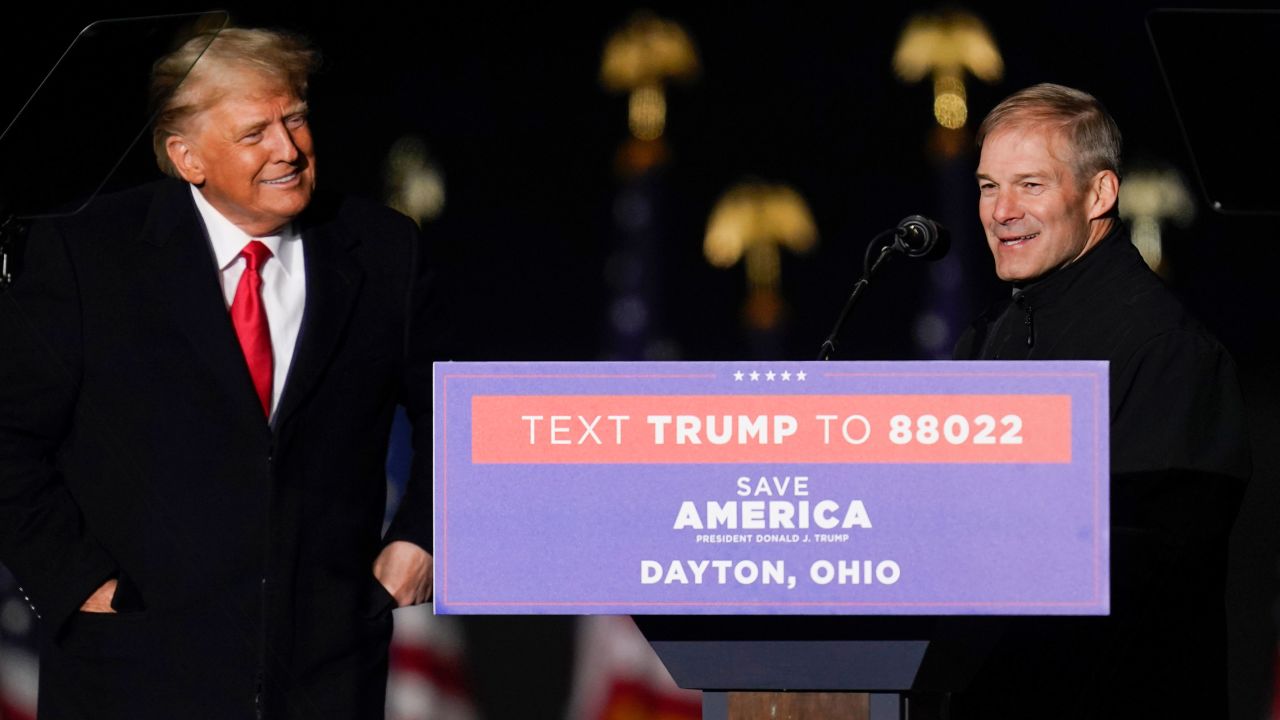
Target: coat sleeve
[[424, 329], [1176, 405], [1180, 459], [43, 539]]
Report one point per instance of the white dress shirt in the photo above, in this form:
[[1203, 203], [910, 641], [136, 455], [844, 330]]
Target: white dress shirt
[[284, 283]]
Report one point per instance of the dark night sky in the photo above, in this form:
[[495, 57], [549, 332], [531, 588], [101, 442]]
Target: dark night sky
[[509, 102]]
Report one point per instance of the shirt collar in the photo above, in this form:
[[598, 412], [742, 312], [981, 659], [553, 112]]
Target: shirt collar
[[228, 240]]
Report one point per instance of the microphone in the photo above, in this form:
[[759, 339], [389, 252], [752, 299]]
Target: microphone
[[921, 238], [916, 237]]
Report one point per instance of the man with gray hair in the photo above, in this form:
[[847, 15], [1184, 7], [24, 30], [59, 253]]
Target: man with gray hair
[[194, 416], [1048, 184]]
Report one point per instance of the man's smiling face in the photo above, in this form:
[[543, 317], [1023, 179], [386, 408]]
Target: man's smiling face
[[252, 155], [1034, 210]]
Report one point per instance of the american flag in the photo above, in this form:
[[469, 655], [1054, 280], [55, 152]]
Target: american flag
[[427, 679], [18, 665], [617, 676]]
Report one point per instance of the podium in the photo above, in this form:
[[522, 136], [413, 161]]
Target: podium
[[894, 662], [804, 528]]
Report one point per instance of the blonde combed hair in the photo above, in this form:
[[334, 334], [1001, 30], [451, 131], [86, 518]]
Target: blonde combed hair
[[179, 95]]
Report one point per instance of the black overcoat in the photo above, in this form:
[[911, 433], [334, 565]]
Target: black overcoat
[[132, 445]]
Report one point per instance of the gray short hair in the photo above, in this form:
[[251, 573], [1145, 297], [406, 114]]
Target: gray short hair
[[178, 95], [1091, 132]]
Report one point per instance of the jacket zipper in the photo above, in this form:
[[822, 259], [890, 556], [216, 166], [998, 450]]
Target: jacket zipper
[[1028, 319]]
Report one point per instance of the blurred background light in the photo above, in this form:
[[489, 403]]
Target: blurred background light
[[1150, 197], [640, 59], [414, 183], [751, 222], [944, 46]]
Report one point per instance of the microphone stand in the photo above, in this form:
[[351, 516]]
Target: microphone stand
[[869, 268], [11, 232]]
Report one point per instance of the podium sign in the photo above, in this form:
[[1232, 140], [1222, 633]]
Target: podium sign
[[803, 488]]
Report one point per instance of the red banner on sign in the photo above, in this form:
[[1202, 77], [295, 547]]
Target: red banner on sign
[[650, 429]]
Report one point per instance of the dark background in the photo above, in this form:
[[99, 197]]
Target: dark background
[[509, 101]]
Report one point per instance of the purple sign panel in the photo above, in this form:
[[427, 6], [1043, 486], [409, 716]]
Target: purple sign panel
[[906, 488]]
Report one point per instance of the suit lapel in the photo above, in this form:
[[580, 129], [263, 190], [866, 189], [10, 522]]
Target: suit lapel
[[180, 262], [333, 283]]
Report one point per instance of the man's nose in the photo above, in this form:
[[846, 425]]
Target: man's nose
[[1007, 208], [284, 146]]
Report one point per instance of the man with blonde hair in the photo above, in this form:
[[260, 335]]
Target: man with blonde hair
[[194, 417], [1048, 187]]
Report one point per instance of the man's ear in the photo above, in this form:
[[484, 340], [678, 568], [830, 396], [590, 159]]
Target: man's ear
[[185, 159], [1103, 192]]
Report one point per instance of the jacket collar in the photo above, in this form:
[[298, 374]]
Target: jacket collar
[[334, 277], [185, 273], [1112, 257]]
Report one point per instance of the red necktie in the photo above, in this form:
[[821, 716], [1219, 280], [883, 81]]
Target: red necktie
[[249, 317]]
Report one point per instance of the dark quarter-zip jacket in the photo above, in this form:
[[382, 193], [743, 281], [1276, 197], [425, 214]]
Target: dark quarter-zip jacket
[[1179, 461]]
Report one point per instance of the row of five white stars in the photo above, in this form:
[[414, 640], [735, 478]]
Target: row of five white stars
[[785, 375]]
